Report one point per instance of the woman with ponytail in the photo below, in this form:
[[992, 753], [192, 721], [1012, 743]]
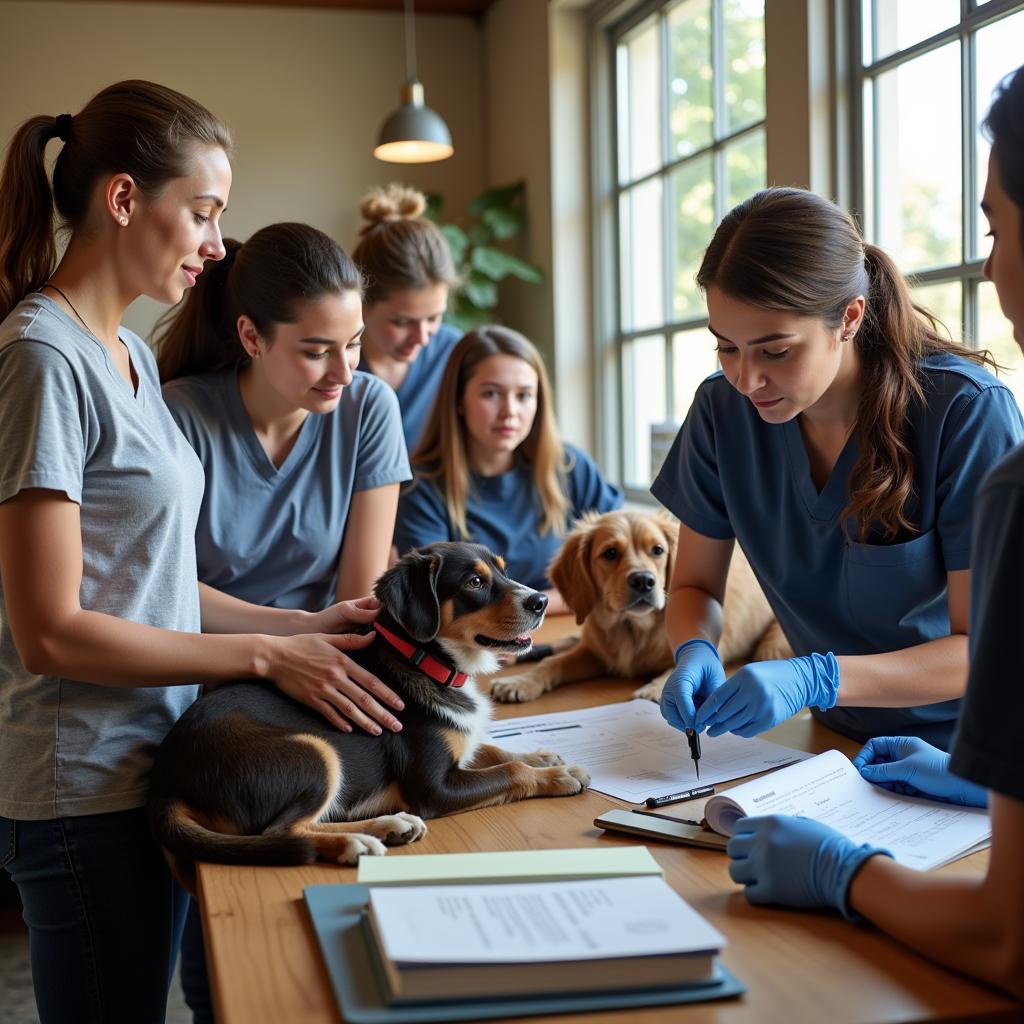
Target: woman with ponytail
[[303, 454], [969, 923], [408, 270], [100, 611], [841, 445]]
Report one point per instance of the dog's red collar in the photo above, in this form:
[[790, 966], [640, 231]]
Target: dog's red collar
[[426, 663]]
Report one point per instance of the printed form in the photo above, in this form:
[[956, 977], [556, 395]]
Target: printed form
[[921, 834], [632, 753]]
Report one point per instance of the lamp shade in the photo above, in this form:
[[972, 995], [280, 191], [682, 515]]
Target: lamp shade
[[414, 134]]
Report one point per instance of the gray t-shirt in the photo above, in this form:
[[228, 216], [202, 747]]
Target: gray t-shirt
[[70, 422], [273, 535]]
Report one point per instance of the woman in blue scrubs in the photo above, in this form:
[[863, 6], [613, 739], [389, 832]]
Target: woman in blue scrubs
[[841, 445], [970, 924], [408, 270], [491, 467]]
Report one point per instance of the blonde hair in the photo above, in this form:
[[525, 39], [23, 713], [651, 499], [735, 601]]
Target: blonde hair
[[442, 452], [397, 249]]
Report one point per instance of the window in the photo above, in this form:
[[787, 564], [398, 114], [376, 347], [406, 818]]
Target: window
[[689, 115], [924, 73]]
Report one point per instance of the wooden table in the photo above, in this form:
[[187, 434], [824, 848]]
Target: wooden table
[[265, 964]]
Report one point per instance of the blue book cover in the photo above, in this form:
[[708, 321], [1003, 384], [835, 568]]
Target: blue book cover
[[338, 913]]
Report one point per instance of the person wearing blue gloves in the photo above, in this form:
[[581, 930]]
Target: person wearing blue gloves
[[841, 445], [974, 925]]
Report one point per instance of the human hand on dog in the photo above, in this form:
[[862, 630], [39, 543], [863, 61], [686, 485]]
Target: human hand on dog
[[765, 693], [909, 765], [313, 669], [342, 615], [698, 674]]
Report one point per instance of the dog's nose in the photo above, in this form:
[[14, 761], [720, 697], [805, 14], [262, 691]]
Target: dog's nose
[[642, 582], [536, 603]]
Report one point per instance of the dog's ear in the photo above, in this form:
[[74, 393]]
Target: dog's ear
[[570, 572], [408, 591], [670, 527]]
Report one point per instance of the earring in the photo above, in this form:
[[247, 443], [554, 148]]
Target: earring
[[848, 335], [123, 221]]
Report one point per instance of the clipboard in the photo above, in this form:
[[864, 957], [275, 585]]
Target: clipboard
[[619, 820], [338, 913]]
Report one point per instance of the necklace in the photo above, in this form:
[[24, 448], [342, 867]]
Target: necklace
[[73, 310]]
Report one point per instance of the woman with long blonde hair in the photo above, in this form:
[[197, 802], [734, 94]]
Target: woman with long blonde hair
[[491, 467]]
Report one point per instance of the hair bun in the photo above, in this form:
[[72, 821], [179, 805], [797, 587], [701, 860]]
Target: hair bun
[[390, 202]]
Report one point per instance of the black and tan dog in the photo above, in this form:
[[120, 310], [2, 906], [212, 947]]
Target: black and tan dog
[[248, 775]]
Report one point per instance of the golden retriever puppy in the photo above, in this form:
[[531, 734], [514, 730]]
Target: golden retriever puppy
[[613, 571]]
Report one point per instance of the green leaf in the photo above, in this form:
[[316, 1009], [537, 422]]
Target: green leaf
[[479, 234], [457, 241], [435, 203], [504, 223], [497, 265], [501, 195], [464, 315], [480, 290]]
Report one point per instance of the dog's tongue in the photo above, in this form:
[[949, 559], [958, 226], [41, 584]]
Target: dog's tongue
[[523, 638]]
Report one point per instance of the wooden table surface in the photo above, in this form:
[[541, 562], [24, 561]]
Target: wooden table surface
[[265, 965]]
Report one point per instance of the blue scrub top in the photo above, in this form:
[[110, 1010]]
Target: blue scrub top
[[503, 514], [272, 535], [729, 474], [416, 394]]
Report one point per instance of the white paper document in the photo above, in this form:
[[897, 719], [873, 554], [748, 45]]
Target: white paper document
[[632, 753], [538, 921], [920, 834]]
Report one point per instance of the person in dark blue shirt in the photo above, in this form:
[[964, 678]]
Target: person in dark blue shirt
[[972, 924], [491, 467], [841, 446], [408, 273]]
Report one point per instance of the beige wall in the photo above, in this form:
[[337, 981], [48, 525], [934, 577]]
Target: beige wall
[[304, 90]]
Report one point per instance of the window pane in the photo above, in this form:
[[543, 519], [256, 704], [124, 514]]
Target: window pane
[[643, 383], [639, 73], [640, 220], [693, 359], [745, 163], [917, 160], [743, 39], [898, 24], [944, 301], [999, 51], [689, 40], [996, 334], [693, 206]]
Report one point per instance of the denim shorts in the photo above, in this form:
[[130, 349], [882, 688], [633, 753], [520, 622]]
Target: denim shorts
[[104, 916]]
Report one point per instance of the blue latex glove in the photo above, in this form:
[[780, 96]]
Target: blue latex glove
[[795, 862], [698, 673], [909, 765], [765, 693]]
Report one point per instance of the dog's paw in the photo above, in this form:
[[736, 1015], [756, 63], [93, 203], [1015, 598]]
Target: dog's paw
[[541, 758], [399, 829], [517, 689], [358, 845], [564, 780], [651, 690]]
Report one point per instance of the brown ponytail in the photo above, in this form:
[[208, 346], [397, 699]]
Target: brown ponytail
[[138, 128], [789, 249]]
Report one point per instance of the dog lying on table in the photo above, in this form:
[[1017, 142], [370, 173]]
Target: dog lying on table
[[249, 776], [613, 571]]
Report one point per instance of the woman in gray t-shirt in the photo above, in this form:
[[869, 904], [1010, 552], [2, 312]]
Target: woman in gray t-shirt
[[100, 611]]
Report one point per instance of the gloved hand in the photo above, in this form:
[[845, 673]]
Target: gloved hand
[[909, 765], [795, 862], [765, 693], [698, 673]]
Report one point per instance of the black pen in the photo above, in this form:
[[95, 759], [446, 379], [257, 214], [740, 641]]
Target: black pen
[[666, 817], [678, 798], [693, 738]]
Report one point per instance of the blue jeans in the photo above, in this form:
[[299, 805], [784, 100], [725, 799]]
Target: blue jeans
[[104, 916]]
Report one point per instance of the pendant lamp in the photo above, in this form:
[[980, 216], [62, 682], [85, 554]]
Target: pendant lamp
[[413, 134]]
